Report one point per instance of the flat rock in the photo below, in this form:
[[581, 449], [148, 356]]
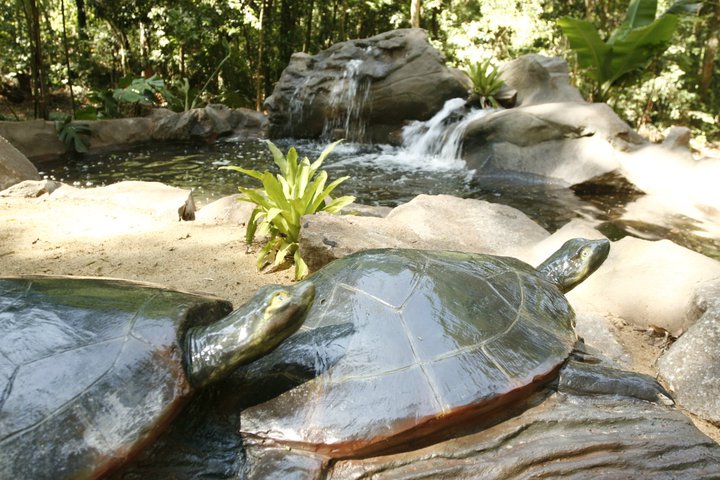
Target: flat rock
[[567, 436], [131, 205], [647, 284], [31, 188], [439, 222], [226, 210], [691, 366], [14, 166]]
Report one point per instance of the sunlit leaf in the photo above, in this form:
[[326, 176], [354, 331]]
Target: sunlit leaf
[[301, 268]]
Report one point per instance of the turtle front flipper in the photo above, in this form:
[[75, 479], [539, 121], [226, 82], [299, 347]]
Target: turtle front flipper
[[251, 331]]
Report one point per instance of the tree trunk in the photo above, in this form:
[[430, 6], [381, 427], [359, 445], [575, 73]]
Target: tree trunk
[[32, 15], [711, 51], [415, 10], [81, 19], [260, 64], [308, 26], [67, 59]]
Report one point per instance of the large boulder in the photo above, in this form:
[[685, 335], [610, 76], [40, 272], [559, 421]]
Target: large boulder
[[691, 366], [552, 132], [426, 222], [537, 79], [362, 89], [14, 166], [647, 284], [206, 123]]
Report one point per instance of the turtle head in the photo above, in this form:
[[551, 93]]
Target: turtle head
[[274, 313], [574, 262], [279, 311]]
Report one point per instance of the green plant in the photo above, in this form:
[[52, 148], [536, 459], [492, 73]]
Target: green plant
[[486, 82], [74, 135], [282, 201], [629, 48], [144, 91]]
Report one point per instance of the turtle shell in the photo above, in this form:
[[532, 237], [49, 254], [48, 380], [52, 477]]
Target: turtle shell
[[89, 370], [436, 337]]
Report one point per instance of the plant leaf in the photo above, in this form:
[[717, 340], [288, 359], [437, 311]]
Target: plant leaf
[[635, 50], [591, 51], [278, 156], [338, 204], [246, 171], [285, 250], [301, 268], [325, 193], [292, 166], [251, 226], [317, 163]]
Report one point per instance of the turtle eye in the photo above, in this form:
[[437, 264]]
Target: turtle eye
[[278, 299], [584, 253]]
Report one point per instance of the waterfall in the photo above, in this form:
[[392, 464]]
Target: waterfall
[[348, 97], [441, 136]]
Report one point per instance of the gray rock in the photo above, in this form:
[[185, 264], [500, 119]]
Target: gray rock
[[677, 138], [691, 366], [36, 139], [227, 210], [14, 166], [428, 221], [598, 332], [567, 436], [568, 141], [31, 188], [109, 134], [153, 201], [647, 284], [403, 77], [538, 79]]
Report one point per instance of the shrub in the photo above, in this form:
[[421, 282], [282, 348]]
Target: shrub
[[486, 83], [299, 189]]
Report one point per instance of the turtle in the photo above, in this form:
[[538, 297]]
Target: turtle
[[431, 340], [91, 370]]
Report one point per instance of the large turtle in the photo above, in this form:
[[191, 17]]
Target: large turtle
[[436, 338], [91, 370]]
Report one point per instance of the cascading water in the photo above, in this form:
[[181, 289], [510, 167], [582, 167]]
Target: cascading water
[[441, 136], [348, 97]]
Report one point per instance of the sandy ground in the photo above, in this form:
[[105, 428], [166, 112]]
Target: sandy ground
[[87, 237], [73, 237]]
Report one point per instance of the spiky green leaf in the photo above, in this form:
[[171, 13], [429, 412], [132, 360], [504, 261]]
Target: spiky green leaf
[[338, 204], [301, 268], [246, 171]]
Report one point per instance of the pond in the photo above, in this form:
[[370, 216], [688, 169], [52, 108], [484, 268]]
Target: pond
[[379, 175]]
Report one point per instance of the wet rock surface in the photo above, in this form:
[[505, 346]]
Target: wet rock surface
[[388, 80], [567, 436]]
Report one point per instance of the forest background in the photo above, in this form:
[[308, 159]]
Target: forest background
[[68, 57]]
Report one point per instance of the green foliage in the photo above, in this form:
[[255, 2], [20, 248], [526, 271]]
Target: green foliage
[[299, 189], [73, 134], [486, 82], [143, 91], [189, 40], [629, 49]]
